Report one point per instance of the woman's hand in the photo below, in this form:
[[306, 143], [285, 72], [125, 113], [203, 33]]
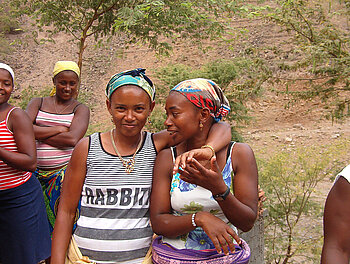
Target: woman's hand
[[62, 129], [198, 154], [210, 179], [218, 231]]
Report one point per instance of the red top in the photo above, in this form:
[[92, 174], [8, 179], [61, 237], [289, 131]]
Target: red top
[[9, 176]]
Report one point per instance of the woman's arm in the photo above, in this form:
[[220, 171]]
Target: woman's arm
[[164, 223], [41, 132], [240, 208], [219, 137], [25, 158], [336, 224], [76, 130], [69, 199], [160, 205]]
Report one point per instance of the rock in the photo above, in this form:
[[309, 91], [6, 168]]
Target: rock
[[335, 136], [256, 137], [298, 126], [288, 139]]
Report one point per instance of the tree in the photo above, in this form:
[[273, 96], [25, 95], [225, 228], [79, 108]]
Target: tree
[[324, 46], [293, 230], [8, 24], [145, 21]]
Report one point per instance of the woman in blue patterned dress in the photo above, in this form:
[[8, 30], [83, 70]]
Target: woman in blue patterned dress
[[197, 210]]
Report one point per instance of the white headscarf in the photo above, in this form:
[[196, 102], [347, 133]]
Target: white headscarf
[[9, 69]]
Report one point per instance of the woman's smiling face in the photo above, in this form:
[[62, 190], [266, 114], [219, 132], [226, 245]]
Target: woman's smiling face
[[182, 117], [6, 86], [66, 83], [129, 107]]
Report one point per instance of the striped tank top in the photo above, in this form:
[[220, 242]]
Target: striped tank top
[[9, 177], [50, 157], [114, 224]]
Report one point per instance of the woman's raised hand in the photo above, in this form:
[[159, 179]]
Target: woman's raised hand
[[198, 154], [210, 179], [218, 231]]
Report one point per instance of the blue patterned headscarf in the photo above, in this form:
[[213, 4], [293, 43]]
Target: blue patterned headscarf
[[134, 77]]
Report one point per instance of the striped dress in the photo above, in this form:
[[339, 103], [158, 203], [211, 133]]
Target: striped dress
[[114, 224], [50, 157], [9, 177]]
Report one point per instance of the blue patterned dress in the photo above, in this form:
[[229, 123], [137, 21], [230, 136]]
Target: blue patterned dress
[[187, 198]]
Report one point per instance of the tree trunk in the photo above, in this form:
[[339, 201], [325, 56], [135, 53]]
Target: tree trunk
[[80, 58]]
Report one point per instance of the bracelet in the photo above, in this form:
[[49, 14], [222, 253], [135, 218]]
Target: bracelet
[[192, 220], [212, 149]]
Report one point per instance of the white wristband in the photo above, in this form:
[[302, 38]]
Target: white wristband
[[192, 219]]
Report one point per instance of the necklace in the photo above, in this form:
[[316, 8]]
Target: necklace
[[128, 164], [55, 105]]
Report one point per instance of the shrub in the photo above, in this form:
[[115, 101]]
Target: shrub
[[240, 78], [293, 228], [8, 23]]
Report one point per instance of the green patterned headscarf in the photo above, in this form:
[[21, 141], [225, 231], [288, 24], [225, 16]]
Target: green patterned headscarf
[[134, 77]]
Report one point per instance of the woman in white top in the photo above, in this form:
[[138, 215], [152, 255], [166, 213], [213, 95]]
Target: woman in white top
[[196, 210], [336, 221]]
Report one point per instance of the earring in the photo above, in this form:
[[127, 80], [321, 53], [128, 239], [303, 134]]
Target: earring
[[149, 121], [200, 126]]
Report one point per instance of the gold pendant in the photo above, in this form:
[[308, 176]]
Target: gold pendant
[[129, 165]]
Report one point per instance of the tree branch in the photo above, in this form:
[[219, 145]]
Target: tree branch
[[311, 38], [304, 79], [66, 27], [108, 9]]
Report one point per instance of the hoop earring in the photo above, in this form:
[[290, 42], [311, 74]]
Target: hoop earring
[[200, 126]]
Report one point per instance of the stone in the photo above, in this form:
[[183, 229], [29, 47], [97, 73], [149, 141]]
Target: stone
[[298, 126], [335, 136], [288, 139]]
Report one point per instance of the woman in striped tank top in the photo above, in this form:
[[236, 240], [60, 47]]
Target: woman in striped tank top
[[60, 121], [24, 230], [112, 174]]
